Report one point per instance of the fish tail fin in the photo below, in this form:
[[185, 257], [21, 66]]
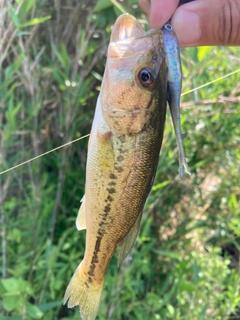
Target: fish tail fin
[[85, 293]]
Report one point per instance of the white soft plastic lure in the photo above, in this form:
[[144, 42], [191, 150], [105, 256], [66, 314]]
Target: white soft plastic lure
[[174, 87]]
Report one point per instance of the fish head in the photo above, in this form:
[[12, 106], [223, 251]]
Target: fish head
[[135, 76]]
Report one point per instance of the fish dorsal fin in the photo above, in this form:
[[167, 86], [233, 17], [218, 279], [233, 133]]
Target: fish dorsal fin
[[127, 243], [80, 221]]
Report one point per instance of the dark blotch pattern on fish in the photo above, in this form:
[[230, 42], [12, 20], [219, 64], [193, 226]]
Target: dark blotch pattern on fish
[[120, 158], [119, 169], [103, 224], [111, 190], [110, 197], [95, 256]]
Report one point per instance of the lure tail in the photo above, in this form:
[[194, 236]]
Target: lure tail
[[84, 293]]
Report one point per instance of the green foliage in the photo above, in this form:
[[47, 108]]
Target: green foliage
[[185, 264], [16, 294]]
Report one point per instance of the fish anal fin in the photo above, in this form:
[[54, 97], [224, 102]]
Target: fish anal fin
[[127, 243], [81, 221], [85, 293]]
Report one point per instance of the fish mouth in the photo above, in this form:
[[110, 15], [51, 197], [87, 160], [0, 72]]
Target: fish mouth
[[129, 38], [126, 26]]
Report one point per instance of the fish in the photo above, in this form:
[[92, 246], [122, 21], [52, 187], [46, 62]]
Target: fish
[[123, 154], [174, 88]]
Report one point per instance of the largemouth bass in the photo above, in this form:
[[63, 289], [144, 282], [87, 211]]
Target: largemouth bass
[[123, 154]]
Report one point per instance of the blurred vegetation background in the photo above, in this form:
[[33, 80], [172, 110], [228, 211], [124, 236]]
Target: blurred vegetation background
[[186, 262]]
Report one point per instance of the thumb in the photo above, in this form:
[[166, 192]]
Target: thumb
[[208, 22]]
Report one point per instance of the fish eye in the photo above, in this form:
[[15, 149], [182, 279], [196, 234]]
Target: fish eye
[[146, 77]]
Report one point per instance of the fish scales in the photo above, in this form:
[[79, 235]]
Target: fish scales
[[128, 172], [123, 154]]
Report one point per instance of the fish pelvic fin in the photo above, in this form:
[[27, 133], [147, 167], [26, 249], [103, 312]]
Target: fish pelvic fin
[[81, 221], [128, 242], [83, 293]]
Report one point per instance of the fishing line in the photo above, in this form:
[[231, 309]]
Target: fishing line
[[44, 154], [208, 83], [87, 135]]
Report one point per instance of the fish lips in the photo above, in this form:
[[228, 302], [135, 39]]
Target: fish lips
[[126, 26]]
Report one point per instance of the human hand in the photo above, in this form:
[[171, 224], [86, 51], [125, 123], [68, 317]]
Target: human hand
[[197, 23]]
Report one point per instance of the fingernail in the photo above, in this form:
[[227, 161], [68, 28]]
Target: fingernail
[[187, 27]]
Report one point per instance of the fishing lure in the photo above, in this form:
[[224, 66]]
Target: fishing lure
[[174, 88]]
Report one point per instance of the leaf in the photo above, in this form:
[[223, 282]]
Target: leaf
[[14, 17], [14, 235], [10, 285], [204, 52], [170, 310], [195, 272], [203, 312], [34, 311], [34, 22], [65, 56], [14, 286], [48, 306], [168, 254], [51, 254], [233, 202], [12, 68], [97, 75], [11, 302], [25, 7], [103, 4], [58, 55], [161, 185]]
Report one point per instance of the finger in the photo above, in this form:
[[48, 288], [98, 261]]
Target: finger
[[205, 22], [158, 12], [144, 6]]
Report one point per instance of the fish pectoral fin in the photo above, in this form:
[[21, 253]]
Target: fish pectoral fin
[[127, 243], [81, 221]]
